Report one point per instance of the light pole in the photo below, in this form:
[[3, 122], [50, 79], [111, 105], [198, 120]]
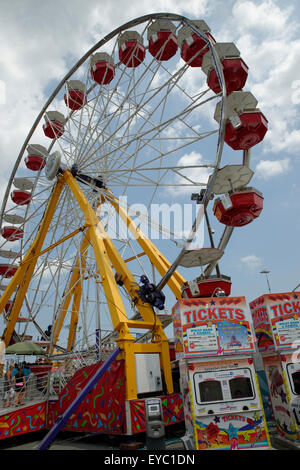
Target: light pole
[[266, 272]]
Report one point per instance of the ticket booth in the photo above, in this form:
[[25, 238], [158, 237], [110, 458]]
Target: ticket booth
[[276, 322], [222, 403]]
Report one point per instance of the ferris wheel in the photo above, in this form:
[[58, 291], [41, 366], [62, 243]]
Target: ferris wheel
[[141, 119]]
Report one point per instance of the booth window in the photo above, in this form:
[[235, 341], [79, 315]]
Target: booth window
[[240, 387], [296, 382], [210, 391], [294, 378]]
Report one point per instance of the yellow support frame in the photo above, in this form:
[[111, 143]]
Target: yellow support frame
[[107, 258], [22, 277], [73, 290], [107, 254]]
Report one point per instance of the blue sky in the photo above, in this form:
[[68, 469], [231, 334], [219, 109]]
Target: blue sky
[[40, 41]]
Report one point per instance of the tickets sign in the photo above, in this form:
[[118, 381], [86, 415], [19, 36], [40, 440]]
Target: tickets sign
[[276, 320], [211, 326]]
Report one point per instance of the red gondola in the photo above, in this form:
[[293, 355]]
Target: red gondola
[[210, 287], [8, 305], [246, 125], [131, 50], [36, 158], [54, 125], [162, 40], [102, 68], [12, 233], [21, 198], [251, 130], [8, 270], [235, 75], [53, 129], [234, 68], [239, 208], [192, 45], [75, 96], [35, 162]]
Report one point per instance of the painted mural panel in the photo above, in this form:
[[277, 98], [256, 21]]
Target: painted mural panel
[[278, 387], [103, 410], [232, 432], [23, 420]]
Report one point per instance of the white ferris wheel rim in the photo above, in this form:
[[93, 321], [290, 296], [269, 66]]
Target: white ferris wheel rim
[[115, 172]]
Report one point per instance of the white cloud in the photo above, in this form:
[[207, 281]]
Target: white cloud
[[251, 262], [265, 17], [191, 176], [267, 169], [267, 35], [40, 42]]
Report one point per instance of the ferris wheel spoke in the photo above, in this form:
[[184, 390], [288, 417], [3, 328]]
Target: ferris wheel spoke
[[144, 105], [165, 154], [108, 102], [158, 129]]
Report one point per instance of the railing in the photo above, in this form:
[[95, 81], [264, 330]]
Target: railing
[[40, 386], [34, 390], [45, 384], [48, 383]]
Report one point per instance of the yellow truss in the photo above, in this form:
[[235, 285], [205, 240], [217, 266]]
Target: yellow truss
[[107, 258], [73, 290], [22, 277]]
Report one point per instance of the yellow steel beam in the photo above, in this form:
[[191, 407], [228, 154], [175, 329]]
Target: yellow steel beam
[[77, 294], [129, 282], [146, 348], [155, 256], [24, 273], [112, 294], [145, 310], [62, 240], [73, 284], [105, 254], [134, 257], [74, 314]]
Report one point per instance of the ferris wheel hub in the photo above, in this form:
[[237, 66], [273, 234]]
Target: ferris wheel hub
[[94, 182]]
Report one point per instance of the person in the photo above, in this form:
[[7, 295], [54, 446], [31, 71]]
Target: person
[[2, 356], [26, 371], [48, 331], [14, 370], [8, 387], [19, 384]]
